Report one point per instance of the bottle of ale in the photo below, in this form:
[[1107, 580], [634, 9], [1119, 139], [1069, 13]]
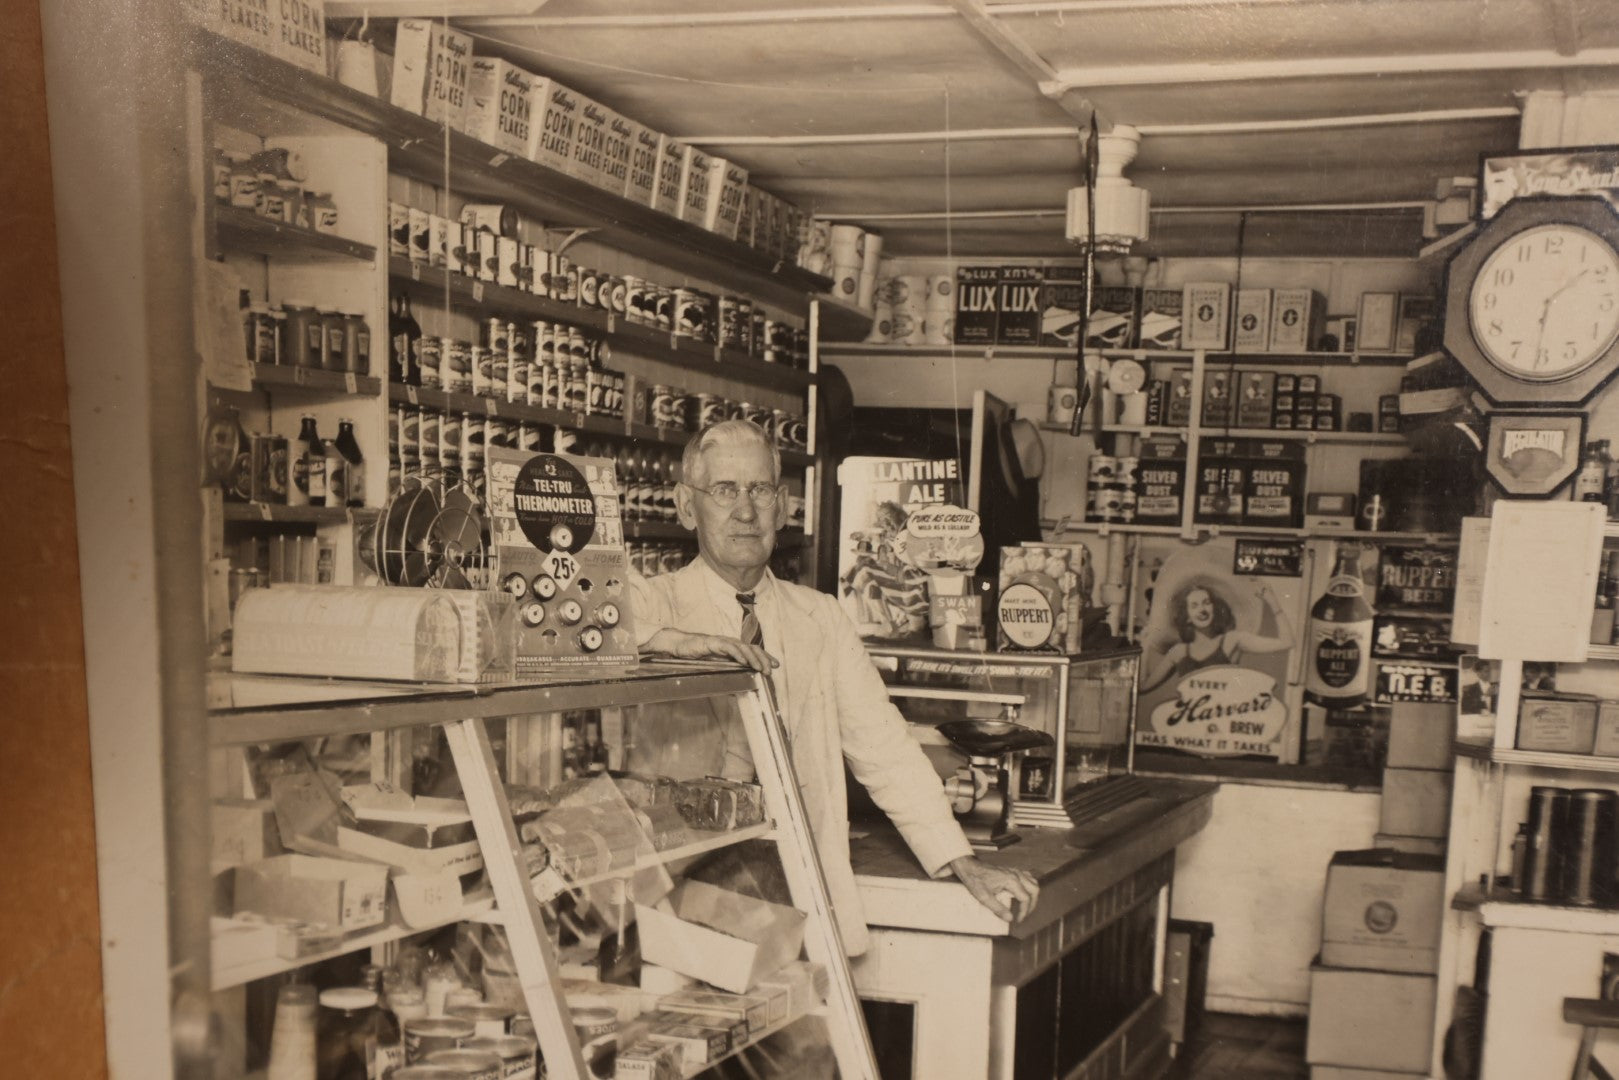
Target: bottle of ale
[[1593, 475], [309, 465], [352, 491], [1340, 642]]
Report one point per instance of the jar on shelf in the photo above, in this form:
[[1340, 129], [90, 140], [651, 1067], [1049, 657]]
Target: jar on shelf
[[270, 203], [347, 1022], [304, 342], [323, 212], [262, 344]]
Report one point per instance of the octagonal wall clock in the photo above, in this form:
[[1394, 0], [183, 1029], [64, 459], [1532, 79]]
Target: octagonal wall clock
[[1532, 302]]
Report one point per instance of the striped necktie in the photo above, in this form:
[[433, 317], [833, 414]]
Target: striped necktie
[[751, 633]]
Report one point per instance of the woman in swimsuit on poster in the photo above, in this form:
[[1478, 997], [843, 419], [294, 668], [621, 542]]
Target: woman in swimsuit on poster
[[1209, 636]]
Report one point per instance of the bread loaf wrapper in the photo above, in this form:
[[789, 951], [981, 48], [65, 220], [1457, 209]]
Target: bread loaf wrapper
[[358, 633]]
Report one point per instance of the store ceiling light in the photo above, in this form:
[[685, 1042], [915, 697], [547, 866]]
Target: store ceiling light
[[1121, 208]]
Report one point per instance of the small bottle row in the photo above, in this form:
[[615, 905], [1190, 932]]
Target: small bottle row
[[271, 184], [482, 246], [650, 560], [295, 333], [272, 470]]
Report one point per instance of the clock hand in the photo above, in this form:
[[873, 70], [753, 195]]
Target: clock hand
[[1546, 308]]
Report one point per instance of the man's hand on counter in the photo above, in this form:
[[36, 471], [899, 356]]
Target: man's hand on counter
[[1008, 894], [683, 645]]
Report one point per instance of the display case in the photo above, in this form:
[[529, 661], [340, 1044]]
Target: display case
[[555, 863], [1083, 705]]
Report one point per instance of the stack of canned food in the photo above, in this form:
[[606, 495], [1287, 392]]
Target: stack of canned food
[[650, 560], [482, 246], [671, 407], [1112, 488], [427, 441], [270, 183], [298, 334]]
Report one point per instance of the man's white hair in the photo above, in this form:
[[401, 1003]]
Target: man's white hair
[[726, 433]]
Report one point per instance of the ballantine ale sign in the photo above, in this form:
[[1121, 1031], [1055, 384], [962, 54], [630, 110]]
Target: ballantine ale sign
[[1219, 711]]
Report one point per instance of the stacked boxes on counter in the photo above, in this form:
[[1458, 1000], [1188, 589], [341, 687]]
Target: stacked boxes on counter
[[484, 245], [1245, 399]]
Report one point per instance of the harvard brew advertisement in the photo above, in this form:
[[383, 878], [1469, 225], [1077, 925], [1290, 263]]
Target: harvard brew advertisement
[[1216, 650]]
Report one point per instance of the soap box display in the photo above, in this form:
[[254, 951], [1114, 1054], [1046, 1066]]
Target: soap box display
[[977, 304], [1018, 321], [1206, 315], [554, 523], [1161, 319], [432, 66], [1161, 481], [1222, 477], [1382, 910], [1062, 295], [1273, 483], [1115, 318]]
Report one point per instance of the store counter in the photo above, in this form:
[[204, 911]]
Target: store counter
[[1074, 990]]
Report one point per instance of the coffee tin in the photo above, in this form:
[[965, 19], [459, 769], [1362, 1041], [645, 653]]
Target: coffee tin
[[735, 322], [589, 287], [432, 1034], [473, 1064], [660, 406], [457, 366], [1103, 469], [706, 409], [431, 366], [663, 309]]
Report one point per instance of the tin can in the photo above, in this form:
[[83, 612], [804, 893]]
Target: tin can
[[408, 420], [486, 1019], [263, 335], [421, 235], [431, 420], [1103, 469], [519, 369], [533, 268], [479, 366], [670, 558], [463, 252], [578, 351], [432, 362], [688, 318], [616, 297], [756, 335], [1126, 470], [604, 291], [449, 440], [735, 322], [589, 287], [497, 218], [797, 433], [1107, 503], [659, 405], [619, 385], [761, 415], [538, 380], [577, 389], [496, 334], [431, 1034], [267, 457], [779, 430], [664, 308], [706, 409], [488, 255], [471, 1064], [509, 261], [596, 383], [497, 432], [528, 437], [516, 1053], [438, 244], [458, 368], [398, 230], [499, 364], [635, 299], [1127, 504], [564, 278]]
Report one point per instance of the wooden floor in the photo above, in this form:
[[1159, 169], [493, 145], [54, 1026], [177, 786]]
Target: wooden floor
[[1228, 1047]]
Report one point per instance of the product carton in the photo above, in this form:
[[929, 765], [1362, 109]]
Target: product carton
[[1161, 481], [1256, 398], [727, 185], [978, 297], [1217, 401], [589, 151], [746, 215], [1062, 292], [501, 106], [641, 180], [1420, 735], [1273, 486], [419, 835], [237, 943], [1115, 318], [551, 142], [432, 66], [1557, 723], [1382, 910], [1206, 308], [256, 23], [411, 634], [752, 1010], [1178, 397], [696, 169], [243, 831], [301, 33], [671, 169], [1161, 318], [1416, 802], [1222, 478], [1250, 332], [1044, 591], [1376, 324], [1370, 1019], [330, 892], [1296, 320], [622, 135], [1019, 306], [757, 939]]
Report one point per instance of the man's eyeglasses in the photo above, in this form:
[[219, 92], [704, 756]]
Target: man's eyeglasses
[[726, 493]]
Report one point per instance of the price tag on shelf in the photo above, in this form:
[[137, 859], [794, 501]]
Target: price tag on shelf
[[612, 322], [674, 341], [490, 407], [300, 376], [576, 420], [477, 292], [498, 160], [410, 395], [264, 511], [350, 383], [415, 270]]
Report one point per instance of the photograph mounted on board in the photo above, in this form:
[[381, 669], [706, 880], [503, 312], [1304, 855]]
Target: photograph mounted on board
[[1216, 649]]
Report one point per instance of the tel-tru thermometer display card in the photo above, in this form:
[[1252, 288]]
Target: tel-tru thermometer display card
[[557, 534]]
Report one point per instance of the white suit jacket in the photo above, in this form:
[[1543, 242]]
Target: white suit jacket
[[837, 710]]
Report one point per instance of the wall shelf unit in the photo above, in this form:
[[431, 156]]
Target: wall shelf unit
[[876, 351], [286, 515], [314, 380], [244, 231]]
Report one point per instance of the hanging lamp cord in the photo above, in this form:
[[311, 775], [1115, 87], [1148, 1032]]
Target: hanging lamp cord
[[1076, 426]]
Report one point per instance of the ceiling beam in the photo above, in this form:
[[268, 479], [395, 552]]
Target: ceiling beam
[[1406, 206], [1226, 127], [1186, 74], [1023, 56], [1565, 20]]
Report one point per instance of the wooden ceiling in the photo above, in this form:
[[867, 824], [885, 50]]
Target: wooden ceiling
[[895, 113]]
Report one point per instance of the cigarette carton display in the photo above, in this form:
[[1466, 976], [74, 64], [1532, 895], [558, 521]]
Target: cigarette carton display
[[1251, 327], [501, 104], [432, 66], [1019, 306], [1206, 308], [978, 297]]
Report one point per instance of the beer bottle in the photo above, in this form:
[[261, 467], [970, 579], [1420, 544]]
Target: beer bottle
[[1593, 474], [1340, 642], [352, 491], [309, 465]]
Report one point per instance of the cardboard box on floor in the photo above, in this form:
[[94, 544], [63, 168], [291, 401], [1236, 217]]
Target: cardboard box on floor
[[1370, 1019], [1382, 910], [758, 938], [1416, 802]]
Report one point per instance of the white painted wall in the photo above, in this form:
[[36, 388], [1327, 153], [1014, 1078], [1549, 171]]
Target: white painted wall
[[1256, 872]]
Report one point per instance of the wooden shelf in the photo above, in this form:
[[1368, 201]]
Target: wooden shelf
[[623, 336], [250, 81], [548, 885], [314, 380], [1603, 652], [1363, 438], [1105, 527], [1066, 352], [1522, 915], [842, 321], [244, 231], [1539, 759], [225, 978], [286, 515]]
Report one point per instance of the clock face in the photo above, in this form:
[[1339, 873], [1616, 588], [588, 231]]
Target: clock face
[[1544, 305]]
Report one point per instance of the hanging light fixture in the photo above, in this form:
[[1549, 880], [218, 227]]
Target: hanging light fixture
[[1120, 207]]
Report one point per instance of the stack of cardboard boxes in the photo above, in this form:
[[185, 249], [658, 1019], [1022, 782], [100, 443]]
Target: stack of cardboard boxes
[[1373, 987]]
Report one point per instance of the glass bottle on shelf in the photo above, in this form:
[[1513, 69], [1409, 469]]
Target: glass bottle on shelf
[[292, 1036], [347, 1016], [408, 342], [1338, 669], [1590, 481], [351, 489], [308, 487]]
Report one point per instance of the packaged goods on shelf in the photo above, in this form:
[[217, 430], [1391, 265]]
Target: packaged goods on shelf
[[337, 893], [696, 175], [727, 183], [649, 1059], [641, 174], [1045, 590], [1273, 483], [620, 137], [1217, 400], [748, 1014], [723, 938], [1062, 294], [1250, 330], [350, 632], [1558, 723], [1377, 322], [666, 191], [1178, 397], [552, 136], [1206, 306], [713, 803], [418, 835], [1256, 399], [502, 106], [1161, 481], [243, 831], [294, 32], [1296, 320], [977, 305], [1382, 910], [1115, 318], [1222, 479], [588, 158], [1162, 315], [1018, 306], [697, 1044], [432, 66]]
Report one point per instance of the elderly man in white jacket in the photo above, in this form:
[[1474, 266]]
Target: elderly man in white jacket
[[833, 703]]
